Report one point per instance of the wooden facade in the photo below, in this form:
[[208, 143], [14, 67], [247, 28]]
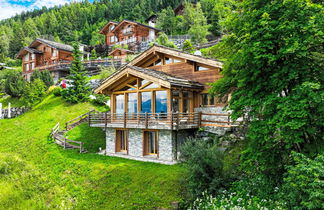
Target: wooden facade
[[126, 32], [43, 53]]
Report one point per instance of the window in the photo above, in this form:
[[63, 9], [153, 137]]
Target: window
[[175, 101], [186, 102], [112, 27], [146, 102], [201, 68], [150, 143], [168, 60], [172, 60], [153, 85], [113, 39], [120, 104], [158, 62], [161, 105], [121, 140], [204, 99], [132, 103]]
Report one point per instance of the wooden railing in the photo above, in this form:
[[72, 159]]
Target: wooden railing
[[87, 64], [76, 121], [59, 139], [173, 121]]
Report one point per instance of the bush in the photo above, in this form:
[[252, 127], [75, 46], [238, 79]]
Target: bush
[[45, 76], [15, 84], [101, 99], [233, 201], [204, 163], [57, 91], [188, 47], [105, 72], [34, 92], [163, 39], [303, 185]]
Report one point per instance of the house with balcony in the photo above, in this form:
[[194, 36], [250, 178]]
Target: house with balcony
[[56, 57], [128, 32], [157, 101]]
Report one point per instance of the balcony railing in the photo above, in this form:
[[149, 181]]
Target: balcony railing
[[168, 121], [64, 65], [127, 41]]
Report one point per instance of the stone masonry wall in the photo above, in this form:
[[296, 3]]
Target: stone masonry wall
[[14, 112], [110, 140], [166, 145], [135, 142]]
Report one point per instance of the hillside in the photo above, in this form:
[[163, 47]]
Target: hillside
[[37, 174]]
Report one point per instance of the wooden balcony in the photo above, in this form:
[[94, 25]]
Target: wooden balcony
[[166, 121], [89, 64]]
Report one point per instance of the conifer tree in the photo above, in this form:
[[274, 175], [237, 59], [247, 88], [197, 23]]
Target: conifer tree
[[80, 90]]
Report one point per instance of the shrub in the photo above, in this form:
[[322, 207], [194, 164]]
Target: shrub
[[204, 163], [106, 72], [36, 75], [303, 184], [47, 78], [15, 84], [57, 91], [163, 39], [233, 201], [188, 47], [101, 99], [34, 92]]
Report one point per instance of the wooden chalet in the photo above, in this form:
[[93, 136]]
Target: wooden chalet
[[128, 32], [158, 100], [44, 53]]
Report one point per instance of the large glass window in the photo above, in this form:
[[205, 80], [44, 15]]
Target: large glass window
[[132, 103], [161, 102], [175, 101], [146, 102], [204, 99], [120, 104]]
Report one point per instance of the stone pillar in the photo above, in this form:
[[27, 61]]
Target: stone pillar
[[0, 110], [9, 110]]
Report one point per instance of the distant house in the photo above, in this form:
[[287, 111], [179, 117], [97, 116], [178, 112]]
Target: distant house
[[156, 103], [128, 32], [45, 54]]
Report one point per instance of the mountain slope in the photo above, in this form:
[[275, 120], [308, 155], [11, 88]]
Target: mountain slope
[[37, 174]]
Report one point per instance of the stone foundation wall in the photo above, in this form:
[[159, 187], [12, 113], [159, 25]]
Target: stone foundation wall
[[14, 112], [135, 143]]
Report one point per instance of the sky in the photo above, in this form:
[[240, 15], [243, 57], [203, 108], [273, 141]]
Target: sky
[[9, 8]]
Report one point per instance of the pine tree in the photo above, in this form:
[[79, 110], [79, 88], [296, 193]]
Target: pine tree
[[80, 90]]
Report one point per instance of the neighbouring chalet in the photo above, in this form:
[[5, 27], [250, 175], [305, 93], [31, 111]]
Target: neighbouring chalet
[[44, 54], [128, 32], [157, 100]]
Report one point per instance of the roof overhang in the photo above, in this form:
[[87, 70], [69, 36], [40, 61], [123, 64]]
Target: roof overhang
[[103, 30], [26, 50], [122, 50], [131, 71]]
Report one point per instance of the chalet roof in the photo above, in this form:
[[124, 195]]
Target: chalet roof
[[176, 53], [121, 49], [134, 22], [23, 51], [159, 77], [53, 44], [104, 28]]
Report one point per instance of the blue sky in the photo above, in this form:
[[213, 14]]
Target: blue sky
[[9, 8]]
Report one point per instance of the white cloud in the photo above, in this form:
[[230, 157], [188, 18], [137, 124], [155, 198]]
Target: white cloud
[[8, 10]]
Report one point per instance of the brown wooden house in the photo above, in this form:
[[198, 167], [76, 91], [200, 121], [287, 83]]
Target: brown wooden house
[[128, 32], [157, 100], [44, 54]]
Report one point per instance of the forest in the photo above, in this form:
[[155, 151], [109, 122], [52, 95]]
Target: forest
[[82, 21]]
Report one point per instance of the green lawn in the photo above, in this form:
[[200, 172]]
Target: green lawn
[[37, 174]]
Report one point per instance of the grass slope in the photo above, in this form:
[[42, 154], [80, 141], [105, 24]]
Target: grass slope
[[37, 174]]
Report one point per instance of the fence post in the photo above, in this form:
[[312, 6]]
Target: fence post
[[124, 119], [228, 119], [199, 119], [0, 110], [9, 110], [178, 120], [64, 143], [146, 120], [106, 120], [172, 121]]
